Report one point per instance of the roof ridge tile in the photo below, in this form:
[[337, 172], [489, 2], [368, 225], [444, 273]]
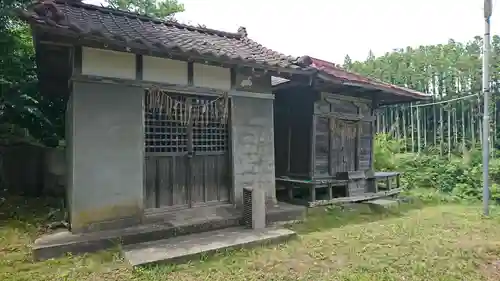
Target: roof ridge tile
[[154, 35], [142, 17]]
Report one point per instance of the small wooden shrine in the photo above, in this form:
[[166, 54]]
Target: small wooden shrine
[[324, 134]]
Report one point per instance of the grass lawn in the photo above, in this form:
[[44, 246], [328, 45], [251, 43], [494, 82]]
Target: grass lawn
[[440, 242]]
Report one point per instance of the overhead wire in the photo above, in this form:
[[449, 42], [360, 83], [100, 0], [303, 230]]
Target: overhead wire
[[446, 101]]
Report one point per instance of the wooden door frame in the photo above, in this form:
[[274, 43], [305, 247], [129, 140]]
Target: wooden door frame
[[358, 123], [189, 154]]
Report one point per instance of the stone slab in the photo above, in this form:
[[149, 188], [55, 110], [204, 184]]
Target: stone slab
[[283, 212], [58, 244], [352, 199], [383, 203], [183, 248]]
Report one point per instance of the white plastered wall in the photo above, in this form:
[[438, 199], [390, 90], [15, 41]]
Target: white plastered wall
[[162, 70], [107, 63], [213, 77]]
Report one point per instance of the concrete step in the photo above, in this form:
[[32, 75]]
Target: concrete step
[[183, 248], [58, 244], [157, 226]]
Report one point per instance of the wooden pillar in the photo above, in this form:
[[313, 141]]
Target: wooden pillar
[[472, 123], [312, 193], [424, 125], [412, 129], [462, 109], [375, 111], [441, 130], [419, 137], [434, 120], [449, 132], [404, 130], [330, 191]]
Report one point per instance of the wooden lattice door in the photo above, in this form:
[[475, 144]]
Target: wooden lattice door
[[187, 155]]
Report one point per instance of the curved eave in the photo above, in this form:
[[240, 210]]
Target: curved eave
[[390, 90], [395, 93]]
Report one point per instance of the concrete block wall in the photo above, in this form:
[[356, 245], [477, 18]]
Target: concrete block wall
[[253, 146], [106, 169]]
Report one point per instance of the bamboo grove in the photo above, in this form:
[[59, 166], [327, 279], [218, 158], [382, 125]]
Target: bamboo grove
[[451, 73]]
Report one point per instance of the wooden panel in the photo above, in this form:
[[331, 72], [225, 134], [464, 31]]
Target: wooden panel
[[166, 184], [150, 182], [357, 187], [301, 126], [366, 146], [282, 134], [299, 144], [365, 109], [321, 106], [336, 152], [349, 136], [293, 131], [210, 179], [172, 184], [248, 81], [343, 146], [339, 106], [322, 145]]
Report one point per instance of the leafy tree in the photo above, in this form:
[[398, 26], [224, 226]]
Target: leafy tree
[[446, 71], [371, 56], [20, 107], [347, 62], [157, 8]]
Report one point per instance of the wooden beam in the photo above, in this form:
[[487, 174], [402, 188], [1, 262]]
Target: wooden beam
[[233, 77], [77, 60], [382, 103], [286, 85], [190, 73], [374, 111], [357, 145], [330, 98], [138, 67], [182, 89], [48, 42], [365, 197], [312, 147], [347, 91], [346, 116]]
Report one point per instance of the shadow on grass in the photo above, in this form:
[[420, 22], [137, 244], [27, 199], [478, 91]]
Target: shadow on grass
[[28, 214], [20, 215], [335, 216], [318, 219]]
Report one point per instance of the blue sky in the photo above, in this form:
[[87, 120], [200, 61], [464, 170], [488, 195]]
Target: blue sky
[[330, 29]]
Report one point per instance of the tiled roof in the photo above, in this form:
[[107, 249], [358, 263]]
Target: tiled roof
[[351, 78], [110, 25]]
